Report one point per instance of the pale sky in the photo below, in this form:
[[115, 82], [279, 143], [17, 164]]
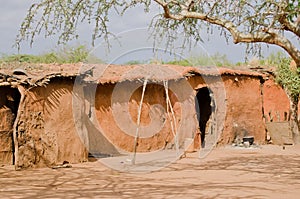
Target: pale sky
[[132, 29]]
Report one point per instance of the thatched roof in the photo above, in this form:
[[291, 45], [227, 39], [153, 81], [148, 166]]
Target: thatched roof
[[156, 73], [102, 73]]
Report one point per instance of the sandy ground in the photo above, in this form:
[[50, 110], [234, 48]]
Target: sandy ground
[[268, 172]]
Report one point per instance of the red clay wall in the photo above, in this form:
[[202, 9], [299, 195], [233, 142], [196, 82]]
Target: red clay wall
[[218, 95], [276, 102], [46, 131], [117, 117], [240, 110], [244, 115]]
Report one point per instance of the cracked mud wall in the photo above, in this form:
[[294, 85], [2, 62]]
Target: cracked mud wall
[[239, 109], [244, 115], [9, 101], [276, 102], [46, 133], [215, 125], [117, 112], [277, 113]]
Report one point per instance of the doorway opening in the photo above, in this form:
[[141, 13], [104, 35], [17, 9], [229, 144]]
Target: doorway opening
[[9, 104], [203, 103]]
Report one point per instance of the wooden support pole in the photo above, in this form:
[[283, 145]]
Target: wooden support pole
[[138, 122]]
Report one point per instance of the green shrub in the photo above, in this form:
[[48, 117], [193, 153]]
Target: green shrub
[[288, 78], [64, 55], [203, 60], [274, 59], [133, 62]]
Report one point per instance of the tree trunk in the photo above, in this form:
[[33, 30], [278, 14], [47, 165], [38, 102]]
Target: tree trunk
[[294, 123]]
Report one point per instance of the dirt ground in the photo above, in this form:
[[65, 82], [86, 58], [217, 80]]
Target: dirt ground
[[266, 172]]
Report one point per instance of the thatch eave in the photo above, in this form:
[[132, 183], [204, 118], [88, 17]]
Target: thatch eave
[[112, 74]]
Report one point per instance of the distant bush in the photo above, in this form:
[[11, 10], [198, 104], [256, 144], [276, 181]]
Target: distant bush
[[274, 59], [133, 62], [74, 55], [203, 60], [64, 55]]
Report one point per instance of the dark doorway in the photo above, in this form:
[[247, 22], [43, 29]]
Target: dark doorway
[[203, 109], [9, 104]]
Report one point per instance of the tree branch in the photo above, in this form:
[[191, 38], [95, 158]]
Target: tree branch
[[167, 12], [269, 36], [290, 26]]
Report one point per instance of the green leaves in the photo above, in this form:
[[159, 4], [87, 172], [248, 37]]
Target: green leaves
[[65, 55], [289, 78], [62, 18], [251, 22], [293, 10]]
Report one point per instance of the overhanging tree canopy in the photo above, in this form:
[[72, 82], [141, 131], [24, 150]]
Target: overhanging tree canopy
[[271, 21]]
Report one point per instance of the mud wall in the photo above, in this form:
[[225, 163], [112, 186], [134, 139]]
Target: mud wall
[[244, 114], [53, 128], [9, 101], [46, 129], [239, 108], [215, 125], [117, 114], [276, 102]]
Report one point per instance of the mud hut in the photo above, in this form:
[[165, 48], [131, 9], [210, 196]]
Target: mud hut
[[66, 112]]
